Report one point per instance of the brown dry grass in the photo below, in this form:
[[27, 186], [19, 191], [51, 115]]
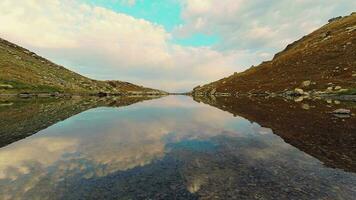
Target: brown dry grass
[[319, 58], [24, 71]]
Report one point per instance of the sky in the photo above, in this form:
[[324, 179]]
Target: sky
[[173, 45]]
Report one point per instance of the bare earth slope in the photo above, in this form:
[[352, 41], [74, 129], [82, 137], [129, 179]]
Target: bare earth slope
[[323, 59], [23, 71]]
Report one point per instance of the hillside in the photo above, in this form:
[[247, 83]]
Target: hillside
[[323, 61], [22, 71]]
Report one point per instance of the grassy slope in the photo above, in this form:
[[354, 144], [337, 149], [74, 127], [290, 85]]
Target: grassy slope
[[325, 56], [24, 71]]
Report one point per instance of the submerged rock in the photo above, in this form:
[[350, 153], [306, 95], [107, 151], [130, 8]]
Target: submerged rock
[[299, 91], [338, 88], [306, 83], [6, 86], [342, 111]]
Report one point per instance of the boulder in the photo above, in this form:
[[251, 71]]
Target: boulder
[[305, 106], [6, 86], [342, 111], [329, 89], [299, 91], [306, 83], [338, 88]]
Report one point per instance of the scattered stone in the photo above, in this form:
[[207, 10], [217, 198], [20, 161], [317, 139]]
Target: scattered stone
[[25, 95], [342, 116], [299, 99], [329, 89], [6, 104], [299, 91], [213, 91], [353, 75], [338, 88], [343, 90], [326, 34], [337, 102], [305, 106], [342, 111], [345, 69], [6, 86], [306, 83], [351, 28]]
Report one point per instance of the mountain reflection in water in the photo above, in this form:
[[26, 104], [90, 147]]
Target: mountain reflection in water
[[176, 148]]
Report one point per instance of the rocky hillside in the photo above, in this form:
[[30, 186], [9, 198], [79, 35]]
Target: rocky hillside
[[22, 71], [321, 62]]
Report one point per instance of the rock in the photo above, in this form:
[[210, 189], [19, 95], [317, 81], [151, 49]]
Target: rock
[[299, 99], [299, 91], [353, 75], [326, 34], [338, 88], [6, 86], [342, 111], [351, 28], [213, 91], [305, 106], [306, 83], [343, 90], [329, 89], [342, 116], [25, 95]]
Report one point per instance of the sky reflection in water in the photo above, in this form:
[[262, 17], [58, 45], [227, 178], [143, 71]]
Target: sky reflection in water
[[167, 148]]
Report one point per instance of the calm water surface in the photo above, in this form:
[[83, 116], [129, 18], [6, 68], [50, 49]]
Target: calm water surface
[[167, 148]]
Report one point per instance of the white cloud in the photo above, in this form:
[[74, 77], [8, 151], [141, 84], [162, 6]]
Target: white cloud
[[108, 45], [104, 44], [259, 25]]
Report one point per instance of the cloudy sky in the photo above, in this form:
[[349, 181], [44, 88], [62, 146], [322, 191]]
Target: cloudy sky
[[167, 44]]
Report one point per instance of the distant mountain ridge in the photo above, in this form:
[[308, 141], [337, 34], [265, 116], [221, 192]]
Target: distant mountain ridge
[[323, 61], [22, 71]]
